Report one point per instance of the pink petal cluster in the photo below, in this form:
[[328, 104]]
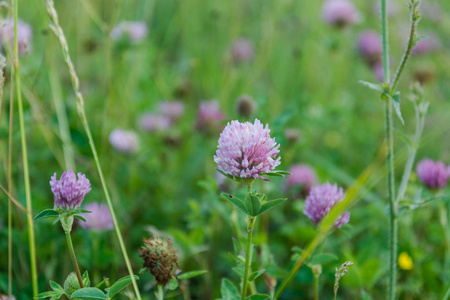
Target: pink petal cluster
[[340, 13], [242, 50], [99, 219], [24, 34], [301, 175], [208, 114], [136, 31], [434, 175], [69, 192], [370, 47], [125, 141], [246, 150], [321, 200]]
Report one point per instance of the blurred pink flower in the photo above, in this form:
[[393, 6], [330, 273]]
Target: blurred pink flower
[[242, 50], [24, 35], [136, 31], [125, 141], [302, 176], [370, 47], [208, 115], [340, 13], [172, 109], [152, 122], [426, 45], [99, 219], [378, 71], [434, 175]]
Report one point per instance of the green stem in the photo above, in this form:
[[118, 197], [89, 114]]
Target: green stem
[[31, 240], [74, 259], [11, 117], [160, 292], [392, 204], [316, 287], [447, 294], [57, 30], [248, 255]]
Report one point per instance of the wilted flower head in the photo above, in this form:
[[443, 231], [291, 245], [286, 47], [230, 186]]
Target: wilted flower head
[[172, 109], [434, 175], [124, 140], [99, 219], [24, 34], [152, 122], [370, 47], [320, 201], [302, 176], [426, 45], [208, 114], [245, 106], [242, 50], [340, 13], [136, 31], [68, 191], [292, 135], [246, 150], [160, 258]]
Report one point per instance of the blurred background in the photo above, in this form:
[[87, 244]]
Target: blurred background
[[162, 78]]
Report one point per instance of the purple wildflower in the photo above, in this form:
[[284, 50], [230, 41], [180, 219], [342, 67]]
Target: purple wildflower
[[68, 191], [172, 109], [434, 175], [99, 219], [246, 150], [302, 176], [426, 45], [340, 13], [208, 114], [370, 47], [136, 31], [242, 50], [123, 140], [320, 201], [24, 34], [152, 122]]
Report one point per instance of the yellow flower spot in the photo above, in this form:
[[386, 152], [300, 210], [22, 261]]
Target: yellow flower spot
[[405, 261]]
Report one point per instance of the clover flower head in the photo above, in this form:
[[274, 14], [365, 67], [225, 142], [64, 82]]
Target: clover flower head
[[99, 219], [125, 141], [160, 258], [340, 13], [303, 176], [370, 47], [24, 34], [321, 199], [246, 150], [69, 192], [136, 31], [209, 114], [242, 50], [152, 122], [172, 109], [434, 175]]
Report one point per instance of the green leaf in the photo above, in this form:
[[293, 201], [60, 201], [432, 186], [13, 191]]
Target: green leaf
[[237, 248], [46, 213], [56, 287], [120, 285], [322, 258], [239, 271], [60, 217], [89, 293], [405, 138], [271, 204], [192, 274], [86, 280], [102, 283], [80, 217], [229, 291], [276, 173], [252, 204], [256, 274], [85, 211], [396, 101], [258, 297], [56, 297], [173, 284], [373, 86], [238, 203], [46, 295]]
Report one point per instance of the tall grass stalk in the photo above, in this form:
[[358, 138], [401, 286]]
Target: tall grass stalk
[[31, 239], [57, 30]]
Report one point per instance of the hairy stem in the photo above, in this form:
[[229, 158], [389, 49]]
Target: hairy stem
[[248, 255], [316, 287], [57, 30], [31, 240], [74, 259]]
